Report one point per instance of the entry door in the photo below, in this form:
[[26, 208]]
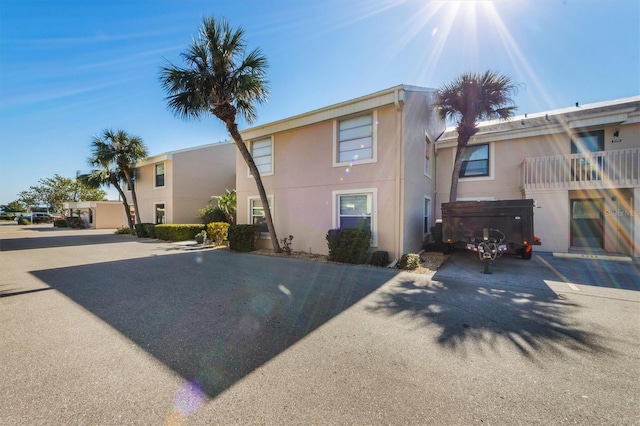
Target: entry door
[[586, 223]]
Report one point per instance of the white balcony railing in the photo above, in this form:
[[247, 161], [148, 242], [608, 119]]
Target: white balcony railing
[[604, 169]]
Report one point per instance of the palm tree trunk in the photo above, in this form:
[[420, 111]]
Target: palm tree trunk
[[232, 127], [457, 165], [127, 212], [127, 176]]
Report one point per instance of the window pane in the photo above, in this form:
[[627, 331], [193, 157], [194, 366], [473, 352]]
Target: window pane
[[475, 161], [355, 222], [355, 139], [356, 155], [261, 151], [355, 205]]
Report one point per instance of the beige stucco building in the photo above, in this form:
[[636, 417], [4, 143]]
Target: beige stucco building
[[365, 161], [173, 186], [581, 165], [97, 214]]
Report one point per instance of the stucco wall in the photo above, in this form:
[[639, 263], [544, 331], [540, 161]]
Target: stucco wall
[[198, 175], [304, 180]]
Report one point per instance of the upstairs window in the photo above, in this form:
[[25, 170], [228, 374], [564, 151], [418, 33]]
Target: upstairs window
[[262, 153], [475, 161], [356, 140], [160, 174]]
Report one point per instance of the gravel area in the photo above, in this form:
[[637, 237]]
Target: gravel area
[[430, 261]]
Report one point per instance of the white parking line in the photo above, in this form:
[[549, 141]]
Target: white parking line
[[562, 277]]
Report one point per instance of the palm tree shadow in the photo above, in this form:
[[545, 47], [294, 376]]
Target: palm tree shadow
[[214, 316], [481, 318]]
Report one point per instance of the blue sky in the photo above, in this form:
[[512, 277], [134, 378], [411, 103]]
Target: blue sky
[[69, 69]]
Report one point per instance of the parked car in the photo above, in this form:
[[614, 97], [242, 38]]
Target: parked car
[[35, 217]]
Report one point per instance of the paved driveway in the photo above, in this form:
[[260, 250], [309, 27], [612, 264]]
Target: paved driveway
[[105, 329]]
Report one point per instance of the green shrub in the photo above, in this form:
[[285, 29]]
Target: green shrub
[[23, 221], [242, 237], [409, 261], [218, 232], [433, 242], [125, 230], [178, 232], [60, 223], [145, 230], [380, 258], [210, 214], [348, 245]]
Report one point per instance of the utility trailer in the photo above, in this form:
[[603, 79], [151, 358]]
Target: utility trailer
[[489, 228]]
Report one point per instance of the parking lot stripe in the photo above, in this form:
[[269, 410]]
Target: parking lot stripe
[[562, 277]]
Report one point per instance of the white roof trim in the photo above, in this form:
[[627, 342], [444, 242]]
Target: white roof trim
[[353, 106], [169, 155]]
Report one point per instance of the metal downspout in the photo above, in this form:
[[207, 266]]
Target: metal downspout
[[399, 97]]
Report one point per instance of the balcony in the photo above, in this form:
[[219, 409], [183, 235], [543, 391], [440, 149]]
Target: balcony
[[594, 170]]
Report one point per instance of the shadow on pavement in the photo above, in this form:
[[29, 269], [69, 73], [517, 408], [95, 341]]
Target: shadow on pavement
[[480, 313], [214, 316], [53, 241]]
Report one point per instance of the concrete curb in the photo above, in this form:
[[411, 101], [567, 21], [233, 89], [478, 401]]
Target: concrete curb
[[593, 256]]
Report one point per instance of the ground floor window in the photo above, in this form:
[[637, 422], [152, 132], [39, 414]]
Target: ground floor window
[[427, 210], [256, 212], [356, 209], [160, 213]]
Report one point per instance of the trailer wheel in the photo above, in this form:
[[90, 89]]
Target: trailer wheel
[[447, 249], [526, 254]]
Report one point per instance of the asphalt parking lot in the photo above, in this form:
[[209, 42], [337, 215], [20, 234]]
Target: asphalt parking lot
[[105, 329]]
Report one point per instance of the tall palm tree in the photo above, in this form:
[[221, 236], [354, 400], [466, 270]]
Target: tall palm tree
[[469, 98], [104, 174], [119, 152], [222, 79]]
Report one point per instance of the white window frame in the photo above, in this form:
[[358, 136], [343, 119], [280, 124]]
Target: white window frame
[[428, 155], [250, 200], [335, 206], [271, 139], [155, 175], [492, 163], [155, 209], [427, 214], [374, 141]]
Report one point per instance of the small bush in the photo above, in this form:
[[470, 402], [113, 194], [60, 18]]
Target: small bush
[[409, 261], [243, 237], [125, 230], [380, 258], [348, 245], [177, 232], [211, 214], [145, 230], [286, 244], [218, 232], [75, 222], [23, 221]]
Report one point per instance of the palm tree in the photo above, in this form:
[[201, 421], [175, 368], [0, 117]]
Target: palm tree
[[117, 153], [103, 174], [469, 98], [222, 79]]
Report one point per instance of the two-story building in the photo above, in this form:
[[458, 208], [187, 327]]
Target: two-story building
[[581, 165], [365, 162], [172, 187]]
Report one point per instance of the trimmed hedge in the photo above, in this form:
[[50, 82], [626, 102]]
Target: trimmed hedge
[[146, 230], [348, 245], [177, 232], [409, 261], [380, 258], [242, 237], [218, 232]]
